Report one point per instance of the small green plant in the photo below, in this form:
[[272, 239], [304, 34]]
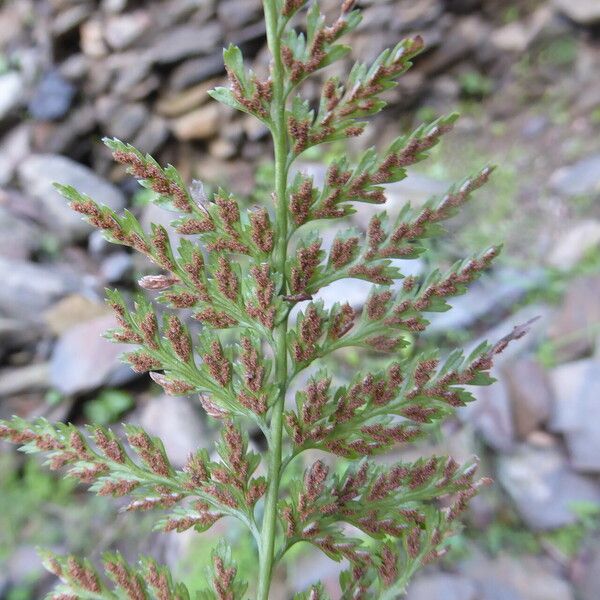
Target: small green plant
[[108, 406], [244, 272]]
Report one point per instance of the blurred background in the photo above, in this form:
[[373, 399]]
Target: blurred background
[[526, 77]]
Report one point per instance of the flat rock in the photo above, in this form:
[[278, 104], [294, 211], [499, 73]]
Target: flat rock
[[583, 12], [185, 41], [510, 578], [82, 360], [18, 237], [121, 31], [51, 98], [577, 412], [16, 380], [177, 423], [442, 586], [543, 487], [572, 328], [152, 135], [72, 310], [11, 92], [14, 147], [28, 288], [580, 178], [200, 124], [491, 415], [38, 173], [589, 584], [179, 103], [575, 244], [530, 393]]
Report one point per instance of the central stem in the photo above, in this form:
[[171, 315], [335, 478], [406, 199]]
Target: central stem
[[280, 144]]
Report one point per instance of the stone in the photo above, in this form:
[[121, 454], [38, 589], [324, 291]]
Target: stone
[[578, 179], [121, 31], [177, 423], [28, 288], [491, 415], [116, 266], [11, 92], [179, 103], [38, 173], [152, 135], [185, 41], [195, 70], [507, 577], [72, 310], [51, 98], [572, 328], [30, 378], [577, 412], [200, 124], [67, 20], [92, 39], [234, 14], [18, 238], [575, 244], [80, 122], [442, 586], [543, 487], [512, 37], [530, 394], [567, 381], [14, 147], [589, 583], [123, 120], [583, 12], [82, 360]]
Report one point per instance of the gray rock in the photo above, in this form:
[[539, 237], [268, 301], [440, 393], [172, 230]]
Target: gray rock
[[195, 70], [589, 584], [185, 41], [442, 586], [123, 120], [578, 179], [28, 289], [51, 98], [152, 135], [543, 487], [82, 360], [39, 171], [70, 18], [116, 266], [199, 124], [18, 238], [572, 328], [583, 12], [491, 415], [577, 412], [81, 121], [177, 423], [15, 146], [575, 244], [516, 578], [123, 30], [17, 380], [234, 14], [11, 92], [530, 394]]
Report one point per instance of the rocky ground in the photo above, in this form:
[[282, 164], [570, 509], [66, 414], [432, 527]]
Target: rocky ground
[[525, 77]]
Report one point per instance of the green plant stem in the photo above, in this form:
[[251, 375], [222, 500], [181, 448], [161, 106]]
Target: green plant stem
[[280, 143]]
